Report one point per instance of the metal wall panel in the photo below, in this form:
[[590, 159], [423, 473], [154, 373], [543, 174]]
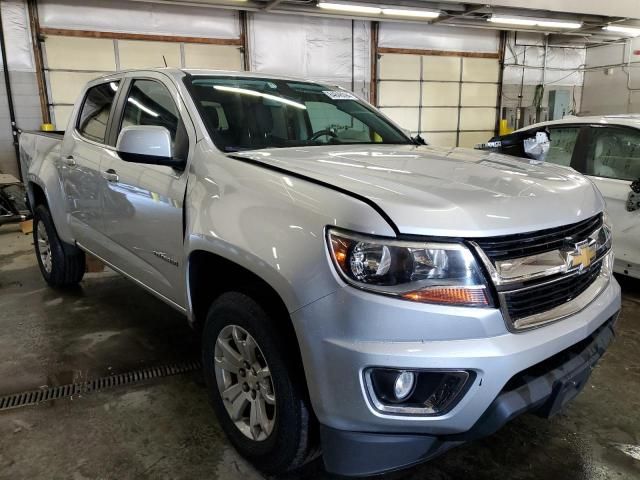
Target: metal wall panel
[[399, 94], [440, 68], [72, 53], [455, 95], [477, 119], [145, 54], [478, 95], [440, 139], [400, 67], [470, 139], [70, 62], [405, 117], [480, 70], [66, 86], [439, 119], [440, 94], [223, 57]]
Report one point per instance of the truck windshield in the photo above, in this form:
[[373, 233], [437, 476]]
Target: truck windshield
[[252, 113]]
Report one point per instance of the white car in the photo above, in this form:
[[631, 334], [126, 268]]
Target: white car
[[607, 150]]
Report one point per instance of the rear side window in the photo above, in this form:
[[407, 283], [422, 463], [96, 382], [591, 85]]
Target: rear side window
[[94, 115], [614, 153], [563, 141]]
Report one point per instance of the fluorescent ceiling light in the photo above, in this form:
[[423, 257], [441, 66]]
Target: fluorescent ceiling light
[[534, 22], [350, 7], [143, 107], [405, 12], [631, 31], [558, 24], [253, 93]]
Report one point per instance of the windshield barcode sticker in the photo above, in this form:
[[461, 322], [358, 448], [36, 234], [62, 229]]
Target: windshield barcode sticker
[[339, 95]]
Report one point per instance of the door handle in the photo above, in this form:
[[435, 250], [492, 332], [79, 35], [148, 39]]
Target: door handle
[[69, 161], [110, 175]]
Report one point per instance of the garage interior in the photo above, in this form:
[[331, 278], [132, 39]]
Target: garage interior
[[455, 79]]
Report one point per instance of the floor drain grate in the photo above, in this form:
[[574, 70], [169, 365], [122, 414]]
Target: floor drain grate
[[33, 397]]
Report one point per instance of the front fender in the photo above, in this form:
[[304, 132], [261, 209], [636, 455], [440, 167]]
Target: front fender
[[271, 224]]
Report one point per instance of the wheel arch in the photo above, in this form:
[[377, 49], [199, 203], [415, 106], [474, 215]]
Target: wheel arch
[[210, 275], [39, 194]]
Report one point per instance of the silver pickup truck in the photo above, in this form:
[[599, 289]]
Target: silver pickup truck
[[357, 293]]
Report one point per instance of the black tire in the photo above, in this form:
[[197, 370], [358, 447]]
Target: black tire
[[67, 261], [293, 440]]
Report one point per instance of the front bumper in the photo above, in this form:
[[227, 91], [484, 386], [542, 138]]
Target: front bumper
[[346, 332], [544, 389]]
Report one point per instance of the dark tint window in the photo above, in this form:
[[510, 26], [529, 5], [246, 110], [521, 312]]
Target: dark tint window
[[614, 153], [92, 122], [252, 113], [563, 141], [150, 103]]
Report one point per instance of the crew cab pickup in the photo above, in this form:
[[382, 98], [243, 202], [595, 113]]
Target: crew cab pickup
[[357, 293]]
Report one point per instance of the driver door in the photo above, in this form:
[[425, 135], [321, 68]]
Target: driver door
[[142, 203]]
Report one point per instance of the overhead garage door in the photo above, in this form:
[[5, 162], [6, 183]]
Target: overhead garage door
[[70, 62], [449, 100]]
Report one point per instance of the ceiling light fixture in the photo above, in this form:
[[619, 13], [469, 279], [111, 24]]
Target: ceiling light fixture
[[350, 7], [405, 12], [534, 22], [630, 31]]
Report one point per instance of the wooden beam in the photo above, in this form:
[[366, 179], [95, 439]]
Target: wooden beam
[[438, 53], [501, 52], [139, 36], [244, 37], [373, 87], [39, 62]]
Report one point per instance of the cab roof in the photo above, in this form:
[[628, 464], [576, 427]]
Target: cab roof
[[624, 119]]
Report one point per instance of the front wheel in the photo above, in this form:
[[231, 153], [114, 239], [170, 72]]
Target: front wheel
[[61, 265], [259, 403]]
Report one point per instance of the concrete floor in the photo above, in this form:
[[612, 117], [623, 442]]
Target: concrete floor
[[166, 429]]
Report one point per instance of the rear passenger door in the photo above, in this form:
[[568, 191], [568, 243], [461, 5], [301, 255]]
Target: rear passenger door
[[81, 155], [142, 204], [612, 161]]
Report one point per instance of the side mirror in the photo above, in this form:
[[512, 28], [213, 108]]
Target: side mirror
[[147, 144], [418, 140]]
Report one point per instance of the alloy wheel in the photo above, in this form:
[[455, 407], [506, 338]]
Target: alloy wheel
[[244, 382], [44, 247]]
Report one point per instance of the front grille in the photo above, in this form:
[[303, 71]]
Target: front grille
[[530, 301], [508, 247]]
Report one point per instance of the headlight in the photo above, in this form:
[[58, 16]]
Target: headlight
[[443, 273]]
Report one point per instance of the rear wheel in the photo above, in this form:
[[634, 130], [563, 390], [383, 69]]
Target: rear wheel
[[61, 265], [261, 403]]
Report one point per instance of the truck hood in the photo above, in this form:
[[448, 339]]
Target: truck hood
[[446, 191]]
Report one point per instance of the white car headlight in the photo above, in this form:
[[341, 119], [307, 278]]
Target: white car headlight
[[430, 272]]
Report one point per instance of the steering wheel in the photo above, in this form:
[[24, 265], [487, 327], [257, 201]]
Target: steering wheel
[[320, 133]]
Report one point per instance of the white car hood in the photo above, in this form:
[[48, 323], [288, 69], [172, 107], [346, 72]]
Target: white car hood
[[451, 192]]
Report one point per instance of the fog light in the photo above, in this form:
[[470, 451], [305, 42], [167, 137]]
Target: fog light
[[404, 385], [416, 392]]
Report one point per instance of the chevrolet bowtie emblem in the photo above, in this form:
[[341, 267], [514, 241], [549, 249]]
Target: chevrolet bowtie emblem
[[582, 255]]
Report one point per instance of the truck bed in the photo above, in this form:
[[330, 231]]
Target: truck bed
[[38, 146]]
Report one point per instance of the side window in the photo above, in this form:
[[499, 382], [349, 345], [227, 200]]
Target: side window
[[150, 103], [94, 115], [614, 153], [563, 141]]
